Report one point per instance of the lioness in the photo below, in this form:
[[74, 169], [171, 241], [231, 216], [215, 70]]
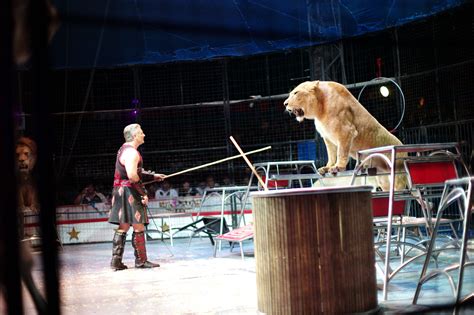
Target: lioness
[[344, 124]]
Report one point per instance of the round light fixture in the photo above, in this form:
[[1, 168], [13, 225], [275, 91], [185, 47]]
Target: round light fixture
[[384, 91]]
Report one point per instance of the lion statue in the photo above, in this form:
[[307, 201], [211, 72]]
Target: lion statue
[[26, 160], [344, 124]]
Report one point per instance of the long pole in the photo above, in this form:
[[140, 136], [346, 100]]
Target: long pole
[[242, 154], [254, 171]]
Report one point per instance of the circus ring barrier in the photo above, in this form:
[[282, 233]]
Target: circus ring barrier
[[78, 224]]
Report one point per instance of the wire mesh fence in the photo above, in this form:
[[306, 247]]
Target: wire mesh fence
[[188, 110]]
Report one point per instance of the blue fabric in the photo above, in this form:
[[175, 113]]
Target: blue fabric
[[307, 151], [105, 33]]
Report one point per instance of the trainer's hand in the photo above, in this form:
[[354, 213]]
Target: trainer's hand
[[159, 177], [145, 200]]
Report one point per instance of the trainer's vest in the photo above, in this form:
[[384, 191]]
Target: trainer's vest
[[120, 175]]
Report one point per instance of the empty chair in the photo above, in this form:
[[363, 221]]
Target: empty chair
[[426, 178], [210, 226], [406, 240], [380, 206], [238, 235], [285, 174], [456, 192], [427, 166]]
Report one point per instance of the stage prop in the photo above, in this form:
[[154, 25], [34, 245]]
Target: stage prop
[[248, 163], [242, 154], [314, 250], [239, 234]]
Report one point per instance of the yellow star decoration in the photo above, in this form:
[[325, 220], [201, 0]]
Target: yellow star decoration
[[165, 227], [73, 234]]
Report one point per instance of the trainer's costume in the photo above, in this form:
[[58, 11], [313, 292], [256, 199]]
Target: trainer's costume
[[127, 204], [127, 207]]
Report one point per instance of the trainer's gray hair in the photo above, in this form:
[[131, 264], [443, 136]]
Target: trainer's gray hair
[[130, 131]]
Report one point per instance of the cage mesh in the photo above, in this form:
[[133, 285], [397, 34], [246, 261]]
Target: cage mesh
[[188, 110]]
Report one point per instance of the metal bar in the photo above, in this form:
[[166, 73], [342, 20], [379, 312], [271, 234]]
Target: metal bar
[[45, 164], [9, 244]]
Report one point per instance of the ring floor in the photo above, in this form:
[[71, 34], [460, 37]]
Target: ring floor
[[191, 281]]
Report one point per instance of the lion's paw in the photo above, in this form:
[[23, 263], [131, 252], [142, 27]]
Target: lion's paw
[[336, 169], [323, 170]]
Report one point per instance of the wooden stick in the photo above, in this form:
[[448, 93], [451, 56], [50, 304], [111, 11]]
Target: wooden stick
[[254, 171], [212, 163]]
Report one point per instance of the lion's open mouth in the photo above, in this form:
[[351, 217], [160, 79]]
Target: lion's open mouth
[[22, 167], [298, 112]]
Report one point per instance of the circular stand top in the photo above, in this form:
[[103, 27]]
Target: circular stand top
[[312, 191]]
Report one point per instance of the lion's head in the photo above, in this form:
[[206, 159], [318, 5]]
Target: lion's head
[[302, 100], [26, 155]]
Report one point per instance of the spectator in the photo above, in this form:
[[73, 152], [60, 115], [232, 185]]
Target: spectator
[[210, 183], [186, 190], [166, 191], [89, 196], [226, 181], [105, 191], [151, 190], [201, 188], [246, 180]]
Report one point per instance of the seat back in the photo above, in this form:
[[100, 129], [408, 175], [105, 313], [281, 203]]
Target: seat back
[[429, 173], [213, 225], [380, 206], [432, 170], [427, 176]]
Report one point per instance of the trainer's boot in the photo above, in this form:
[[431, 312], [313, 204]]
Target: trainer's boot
[[118, 244], [141, 260]]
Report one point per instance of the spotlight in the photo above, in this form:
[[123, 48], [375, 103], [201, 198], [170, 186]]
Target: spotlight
[[384, 91], [136, 105]]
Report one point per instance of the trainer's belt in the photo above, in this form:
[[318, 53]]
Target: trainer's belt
[[122, 183]]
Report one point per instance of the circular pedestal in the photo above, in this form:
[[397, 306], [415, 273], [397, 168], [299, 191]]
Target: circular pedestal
[[314, 250]]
